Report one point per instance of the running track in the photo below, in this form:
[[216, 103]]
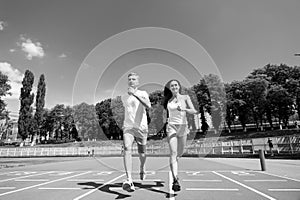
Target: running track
[[201, 178]]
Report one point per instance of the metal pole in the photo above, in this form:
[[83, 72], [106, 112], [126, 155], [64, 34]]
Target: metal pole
[[262, 160]]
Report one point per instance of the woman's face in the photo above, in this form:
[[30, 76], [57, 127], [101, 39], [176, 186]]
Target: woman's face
[[174, 87]]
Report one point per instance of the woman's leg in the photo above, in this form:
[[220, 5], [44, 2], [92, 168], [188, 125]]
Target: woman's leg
[[181, 145], [173, 155]]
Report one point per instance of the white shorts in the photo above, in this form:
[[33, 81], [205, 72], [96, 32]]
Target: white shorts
[[139, 135], [178, 129]]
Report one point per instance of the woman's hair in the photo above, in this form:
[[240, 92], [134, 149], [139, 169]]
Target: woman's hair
[[167, 92]]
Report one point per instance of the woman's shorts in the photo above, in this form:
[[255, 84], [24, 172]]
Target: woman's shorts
[[178, 129]]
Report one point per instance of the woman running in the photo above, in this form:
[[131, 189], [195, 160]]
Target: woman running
[[176, 105]]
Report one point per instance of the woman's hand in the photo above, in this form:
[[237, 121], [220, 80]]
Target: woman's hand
[[180, 109]]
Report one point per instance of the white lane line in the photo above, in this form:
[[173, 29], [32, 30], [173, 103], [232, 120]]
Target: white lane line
[[95, 189], [292, 179], [152, 180], [33, 186], [245, 186], [49, 188], [61, 173], [21, 173], [200, 180], [120, 188], [25, 176], [87, 180], [284, 190], [7, 188], [212, 189], [267, 180], [33, 180], [8, 172], [172, 193]]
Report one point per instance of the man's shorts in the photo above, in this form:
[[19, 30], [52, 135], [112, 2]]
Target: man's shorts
[[178, 129], [139, 135]]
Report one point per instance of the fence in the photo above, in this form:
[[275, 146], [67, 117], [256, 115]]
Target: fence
[[281, 145]]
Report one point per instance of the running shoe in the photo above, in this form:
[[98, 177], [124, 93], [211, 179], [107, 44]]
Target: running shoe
[[176, 186], [142, 175], [128, 186]]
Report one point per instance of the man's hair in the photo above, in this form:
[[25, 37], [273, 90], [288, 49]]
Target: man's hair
[[133, 74]]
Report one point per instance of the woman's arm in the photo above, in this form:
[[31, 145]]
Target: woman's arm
[[191, 109]]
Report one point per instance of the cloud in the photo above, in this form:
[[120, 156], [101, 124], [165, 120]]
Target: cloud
[[15, 78], [2, 25], [30, 48], [62, 55], [12, 50]]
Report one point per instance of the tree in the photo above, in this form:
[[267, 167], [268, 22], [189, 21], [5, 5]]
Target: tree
[[86, 120], [293, 87], [40, 103], [256, 92], [25, 122], [204, 102], [156, 113], [281, 103], [4, 88], [239, 105], [217, 99]]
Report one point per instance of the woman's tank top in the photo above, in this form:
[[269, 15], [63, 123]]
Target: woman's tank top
[[175, 116]]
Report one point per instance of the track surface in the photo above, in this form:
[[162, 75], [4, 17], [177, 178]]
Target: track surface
[[101, 178]]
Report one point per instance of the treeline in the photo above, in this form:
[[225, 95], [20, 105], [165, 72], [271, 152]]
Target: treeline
[[268, 94]]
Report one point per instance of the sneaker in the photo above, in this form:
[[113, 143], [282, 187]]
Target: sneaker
[[176, 186], [128, 186], [142, 175]]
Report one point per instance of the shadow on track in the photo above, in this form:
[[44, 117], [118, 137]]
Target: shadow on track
[[107, 188]]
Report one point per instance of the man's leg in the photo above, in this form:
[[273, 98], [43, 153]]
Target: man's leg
[[128, 140], [141, 143]]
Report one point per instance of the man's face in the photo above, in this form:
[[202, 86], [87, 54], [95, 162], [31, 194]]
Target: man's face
[[133, 81]]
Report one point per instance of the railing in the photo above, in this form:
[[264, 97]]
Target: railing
[[281, 145]]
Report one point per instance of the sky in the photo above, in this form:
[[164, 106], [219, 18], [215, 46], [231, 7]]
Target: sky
[[85, 49]]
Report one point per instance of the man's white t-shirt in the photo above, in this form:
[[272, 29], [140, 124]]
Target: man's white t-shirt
[[135, 112]]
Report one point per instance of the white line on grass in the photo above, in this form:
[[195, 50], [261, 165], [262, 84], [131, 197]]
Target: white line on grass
[[245, 186], [33, 186], [91, 191], [24, 176], [280, 176]]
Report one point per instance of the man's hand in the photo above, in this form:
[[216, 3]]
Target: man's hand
[[131, 90]]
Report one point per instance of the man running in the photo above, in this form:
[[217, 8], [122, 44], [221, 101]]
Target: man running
[[135, 127]]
